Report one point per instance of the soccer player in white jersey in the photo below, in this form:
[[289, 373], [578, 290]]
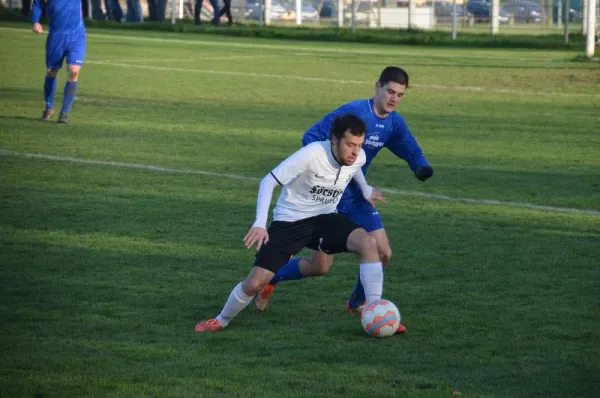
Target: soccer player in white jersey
[[313, 180], [386, 128]]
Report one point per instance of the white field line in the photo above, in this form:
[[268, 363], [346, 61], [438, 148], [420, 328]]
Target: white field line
[[327, 50], [196, 59], [288, 47], [324, 79], [551, 209]]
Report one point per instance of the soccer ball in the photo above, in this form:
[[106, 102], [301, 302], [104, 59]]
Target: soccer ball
[[380, 318]]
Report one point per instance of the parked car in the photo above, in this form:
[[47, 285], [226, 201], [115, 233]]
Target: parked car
[[309, 12], [524, 11], [575, 15], [482, 11], [328, 10], [277, 10], [443, 11], [285, 11]]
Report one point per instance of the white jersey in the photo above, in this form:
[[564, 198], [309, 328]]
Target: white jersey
[[313, 182]]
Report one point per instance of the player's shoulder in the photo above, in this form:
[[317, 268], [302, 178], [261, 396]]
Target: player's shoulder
[[397, 117], [398, 122], [359, 106], [317, 148], [364, 103]]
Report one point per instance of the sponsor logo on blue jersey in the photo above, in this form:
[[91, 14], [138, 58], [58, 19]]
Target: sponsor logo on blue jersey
[[373, 141]]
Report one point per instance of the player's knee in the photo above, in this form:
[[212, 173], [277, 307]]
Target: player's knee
[[251, 286], [368, 245], [73, 75], [320, 267], [51, 73], [256, 280]]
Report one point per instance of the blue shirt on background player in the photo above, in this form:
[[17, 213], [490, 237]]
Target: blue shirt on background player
[[382, 132], [385, 128], [66, 40]]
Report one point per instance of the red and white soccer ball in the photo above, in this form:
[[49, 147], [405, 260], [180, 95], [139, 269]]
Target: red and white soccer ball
[[380, 318]]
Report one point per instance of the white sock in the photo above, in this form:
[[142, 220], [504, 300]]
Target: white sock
[[371, 277], [237, 301]]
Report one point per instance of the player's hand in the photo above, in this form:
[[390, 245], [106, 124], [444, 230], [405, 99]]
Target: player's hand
[[37, 28], [256, 235], [423, 172], [376, 195]]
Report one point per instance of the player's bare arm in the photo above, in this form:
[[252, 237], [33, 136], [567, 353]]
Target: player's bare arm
[[376, 196], [371, 194]]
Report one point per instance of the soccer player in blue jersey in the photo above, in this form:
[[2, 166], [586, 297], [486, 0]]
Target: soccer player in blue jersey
[[385, 128], [66, 39]]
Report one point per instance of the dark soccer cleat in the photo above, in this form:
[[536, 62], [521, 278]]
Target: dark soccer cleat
[[262, 298], [62, 118], [47, 115]]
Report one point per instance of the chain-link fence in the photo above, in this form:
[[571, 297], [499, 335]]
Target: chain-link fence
[[518, 16]]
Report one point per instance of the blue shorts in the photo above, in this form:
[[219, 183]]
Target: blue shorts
[[60, 46], [363, 214]]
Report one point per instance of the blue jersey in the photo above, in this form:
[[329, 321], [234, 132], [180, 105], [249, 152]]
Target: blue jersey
[[390, 132], [65, 15]]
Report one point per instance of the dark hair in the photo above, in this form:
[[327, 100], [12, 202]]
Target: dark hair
[[393, 74], [348, 122]]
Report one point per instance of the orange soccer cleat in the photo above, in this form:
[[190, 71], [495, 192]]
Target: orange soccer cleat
[[401, 329], [358, 309], [210, 325], [262, 298]]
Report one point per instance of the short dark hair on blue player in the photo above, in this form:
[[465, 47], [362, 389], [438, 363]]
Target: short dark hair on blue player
[[348, 122], [393, 74]]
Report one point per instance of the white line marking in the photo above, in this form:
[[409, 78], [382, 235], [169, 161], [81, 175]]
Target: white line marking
[[524, 205], [223, 72], [196, 59], [324, 79], [323, 49], [551, 209], [119, 164], [329, 50]]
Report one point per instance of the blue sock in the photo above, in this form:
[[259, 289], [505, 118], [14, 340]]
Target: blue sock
[[69, 96], [289, 272], [357, 298], [49, 90]]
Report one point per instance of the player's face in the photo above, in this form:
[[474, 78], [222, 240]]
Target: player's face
[[387, 97], [347, 148]]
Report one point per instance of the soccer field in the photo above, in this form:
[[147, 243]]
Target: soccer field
[[122, 229]]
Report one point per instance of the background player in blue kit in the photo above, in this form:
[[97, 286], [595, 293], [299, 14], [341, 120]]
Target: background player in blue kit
[[66, 39], [385, 128]]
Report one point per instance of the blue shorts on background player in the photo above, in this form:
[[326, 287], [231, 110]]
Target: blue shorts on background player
[[66, 40], [385, 128]]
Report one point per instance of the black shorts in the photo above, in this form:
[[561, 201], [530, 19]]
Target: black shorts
[[327, 233]]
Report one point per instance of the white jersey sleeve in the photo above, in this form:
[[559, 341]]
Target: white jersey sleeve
[[365, 188], [295, 164], [265, 193]]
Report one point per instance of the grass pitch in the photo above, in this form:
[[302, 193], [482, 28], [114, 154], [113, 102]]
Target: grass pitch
[[121, 230]]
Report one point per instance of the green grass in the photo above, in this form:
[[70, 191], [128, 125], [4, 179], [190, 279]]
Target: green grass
[[105, 270], [533, 36]]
